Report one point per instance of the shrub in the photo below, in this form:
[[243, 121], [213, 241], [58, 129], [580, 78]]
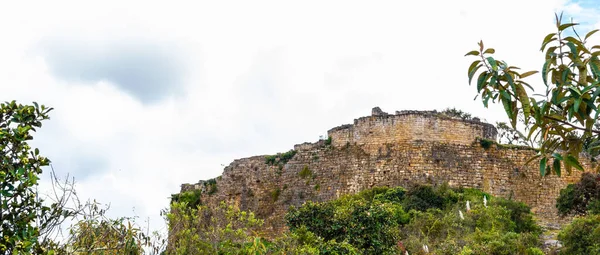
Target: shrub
[[576, 197], [499, 243], [334, 248], [191, 198], [593, 207], [486, 144], [372, 227], [305, 172], [302, 241], [395, 195], [423, 197], [581, 236], [206, 230], [316, 217], [328, 141], [482, 231], [275, 194], [456, 113], [281, 158], [374, 221], [520, 214], [211, 186], [565, 201]]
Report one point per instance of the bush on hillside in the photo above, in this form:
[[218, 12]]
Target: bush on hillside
[[581, 197], [377, 221], [581, 236], [370, 225]]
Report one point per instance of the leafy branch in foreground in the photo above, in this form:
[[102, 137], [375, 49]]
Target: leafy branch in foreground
[[563, 120]]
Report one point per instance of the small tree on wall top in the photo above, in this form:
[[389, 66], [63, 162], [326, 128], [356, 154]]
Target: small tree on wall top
[[561, 119]]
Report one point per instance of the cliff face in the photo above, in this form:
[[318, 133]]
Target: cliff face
[[385, 150]]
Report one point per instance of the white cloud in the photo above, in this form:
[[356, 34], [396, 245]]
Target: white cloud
[[265, 75]]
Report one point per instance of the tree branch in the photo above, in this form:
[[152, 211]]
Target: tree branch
[[571, 125]]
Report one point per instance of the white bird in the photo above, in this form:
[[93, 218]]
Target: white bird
[[462, 217], [425, 248], [484, 201], [468, 206]]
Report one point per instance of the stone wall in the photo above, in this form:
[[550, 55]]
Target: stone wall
[[387, 150], [381, 128]]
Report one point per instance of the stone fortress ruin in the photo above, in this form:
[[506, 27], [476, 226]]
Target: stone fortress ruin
[[385, 150]]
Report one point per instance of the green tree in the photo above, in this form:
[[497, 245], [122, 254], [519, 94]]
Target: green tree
[[97, 234], [224, 229], [581, 236], [28, 222], [562, 118], [24, 217]]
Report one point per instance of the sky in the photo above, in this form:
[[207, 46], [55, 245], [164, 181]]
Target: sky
[[150, 95]]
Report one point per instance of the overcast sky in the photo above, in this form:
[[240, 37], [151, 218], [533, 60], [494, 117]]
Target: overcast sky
[[149, 96]]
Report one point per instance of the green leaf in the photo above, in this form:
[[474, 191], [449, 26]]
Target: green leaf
[[567, 25], [565, 75], [572, 161], [473, 69], [573, 49], [543, 166], [505, 95], [596, 93], [524, 99], [526, 74], [489, 51], [556, 166], [590, 34], [511, 82], [545, 71], [508, 108], [493, 63], [532, 159], [472, 53], [557, 156], [594, 66], [549, 38], [481, 80]]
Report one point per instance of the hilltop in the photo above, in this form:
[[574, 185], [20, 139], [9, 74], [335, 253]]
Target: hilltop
[[400, 149]]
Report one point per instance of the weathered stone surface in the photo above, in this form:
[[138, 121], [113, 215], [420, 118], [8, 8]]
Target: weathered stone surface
[[387, 150]]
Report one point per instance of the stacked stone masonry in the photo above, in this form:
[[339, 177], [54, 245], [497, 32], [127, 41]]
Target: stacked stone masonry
[[388, 150]]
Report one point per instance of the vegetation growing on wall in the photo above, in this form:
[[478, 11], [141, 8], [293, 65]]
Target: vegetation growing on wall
[[328, 141], [485, 143], [305, 172], [280, 158], [211, 186], [191, 198], [275, 194], [456, 113]]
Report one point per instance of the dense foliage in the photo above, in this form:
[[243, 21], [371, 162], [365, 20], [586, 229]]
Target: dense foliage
[[30, 224], [205, 230], [562, 119], [581, 197], [581, 236], [24, 217], [390, 220], [280, 158]]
